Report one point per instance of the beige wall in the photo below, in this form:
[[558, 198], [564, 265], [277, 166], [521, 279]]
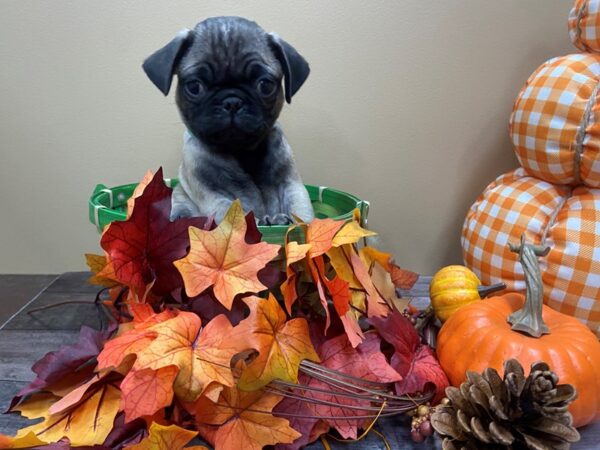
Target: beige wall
[[407, 106]]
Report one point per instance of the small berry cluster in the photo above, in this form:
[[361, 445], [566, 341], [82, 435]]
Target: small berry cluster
[[421, 427]]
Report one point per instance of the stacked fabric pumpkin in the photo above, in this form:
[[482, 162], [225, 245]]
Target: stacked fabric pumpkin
[[554, 197]]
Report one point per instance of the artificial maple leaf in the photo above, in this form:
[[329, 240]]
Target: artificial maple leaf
[[244, 420], [28, 440], [301, 417], [343, 268], [320, 235], [76, 395], [411, 359], [146, 391], [370, 256], [86, 423], [376, 305], [341, 296], [138, 191], [171, 437], [366, 362], [97, 264], [202, 356], [125, 433], [281, 344], [352, 232], [221, 258], [141, 250], [402, 278], [384, 285], [208, 307], [316, 268], [69, 366], [294, 252]]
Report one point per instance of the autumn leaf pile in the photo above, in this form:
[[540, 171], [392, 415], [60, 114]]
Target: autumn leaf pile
[[213, 334]]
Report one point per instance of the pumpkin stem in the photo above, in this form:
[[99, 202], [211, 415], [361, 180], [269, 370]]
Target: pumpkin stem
[[529, 318], [485, 291]]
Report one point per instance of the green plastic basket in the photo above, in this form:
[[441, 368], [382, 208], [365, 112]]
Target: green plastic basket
[[109, 204]]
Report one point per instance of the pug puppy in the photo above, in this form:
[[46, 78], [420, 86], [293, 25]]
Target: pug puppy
[[229, 95]]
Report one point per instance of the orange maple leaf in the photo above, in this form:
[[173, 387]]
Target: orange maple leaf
[[294, 252], [244, 420], [170, 437], [138, 191], [320, 235], [221, 258], [376, 305], [146, 391], [281, 344], [202, 356]]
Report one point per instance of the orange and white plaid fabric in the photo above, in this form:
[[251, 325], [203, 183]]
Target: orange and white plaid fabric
[[565, 218], [555, 123], [584, 25]]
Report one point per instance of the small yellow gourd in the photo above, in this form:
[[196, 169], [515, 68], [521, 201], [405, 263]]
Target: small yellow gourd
[[453, 287]]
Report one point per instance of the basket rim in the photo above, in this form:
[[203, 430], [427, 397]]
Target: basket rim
[[98, 210]]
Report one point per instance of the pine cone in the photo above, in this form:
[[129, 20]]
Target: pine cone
[[517, 412]]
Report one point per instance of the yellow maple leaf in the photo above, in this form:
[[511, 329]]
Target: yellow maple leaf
[[103, 273], [26, 441], [282, 344], [170, 437], [352, 232], [86, 423]]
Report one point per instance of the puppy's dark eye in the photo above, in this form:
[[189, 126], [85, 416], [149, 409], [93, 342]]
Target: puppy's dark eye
[[266, 87], [193, 88]]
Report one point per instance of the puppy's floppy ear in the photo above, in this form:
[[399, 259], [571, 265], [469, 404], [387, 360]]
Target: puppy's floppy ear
[[295, 68], [160, 65]]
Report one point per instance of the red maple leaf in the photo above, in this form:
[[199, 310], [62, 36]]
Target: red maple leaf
[[142, 248], [301, 417], [366, 362], [413, 360]]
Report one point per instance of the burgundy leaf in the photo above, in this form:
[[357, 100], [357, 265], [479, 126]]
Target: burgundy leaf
[[290, 407], [75, 362], [142, 248], [413, 360]]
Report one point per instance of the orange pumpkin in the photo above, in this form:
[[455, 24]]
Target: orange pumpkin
[[478, 336]]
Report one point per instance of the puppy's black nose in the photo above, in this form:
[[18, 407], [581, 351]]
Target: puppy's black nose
[[232, 104]]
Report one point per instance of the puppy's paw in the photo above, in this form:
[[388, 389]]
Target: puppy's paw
[[277, 219], [281, 219]]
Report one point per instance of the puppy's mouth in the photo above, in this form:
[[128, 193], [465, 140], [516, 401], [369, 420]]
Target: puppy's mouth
[[236, 133]]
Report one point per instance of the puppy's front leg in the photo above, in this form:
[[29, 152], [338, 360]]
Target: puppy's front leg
[[297, 202]]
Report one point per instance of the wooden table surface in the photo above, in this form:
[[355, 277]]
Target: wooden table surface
[[25, 338]]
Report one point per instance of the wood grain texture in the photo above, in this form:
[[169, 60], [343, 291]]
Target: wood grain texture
[[61, 317], [25, 339], [19, 349], [17, 290]]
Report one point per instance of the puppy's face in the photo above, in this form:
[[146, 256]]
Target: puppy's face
[[230, 85], [230, 74]]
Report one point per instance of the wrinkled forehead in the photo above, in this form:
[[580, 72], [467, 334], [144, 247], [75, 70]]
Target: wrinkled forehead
[[229, 45]]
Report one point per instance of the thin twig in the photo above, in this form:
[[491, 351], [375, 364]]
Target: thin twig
[[55, 305], [399, 409]]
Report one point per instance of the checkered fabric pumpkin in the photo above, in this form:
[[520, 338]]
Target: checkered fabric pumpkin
[[584, 25], [555, 123], [563, 217]]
